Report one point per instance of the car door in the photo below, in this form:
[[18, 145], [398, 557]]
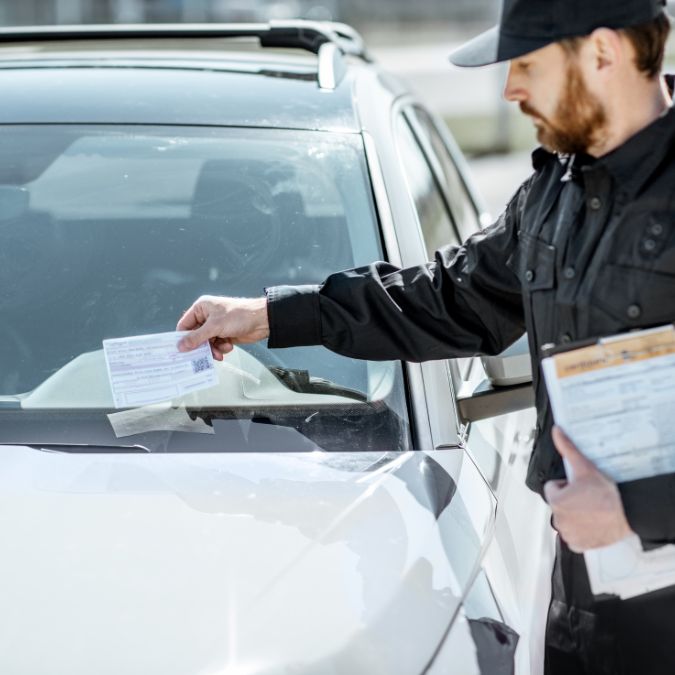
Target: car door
[[500, 446], [490, 441]]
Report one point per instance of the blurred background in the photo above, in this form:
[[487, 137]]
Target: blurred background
[[410, 39]]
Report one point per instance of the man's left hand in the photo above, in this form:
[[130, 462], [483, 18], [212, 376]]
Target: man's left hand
[[587, 508]]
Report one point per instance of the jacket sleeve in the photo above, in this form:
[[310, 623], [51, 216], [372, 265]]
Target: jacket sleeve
[[467, 301]]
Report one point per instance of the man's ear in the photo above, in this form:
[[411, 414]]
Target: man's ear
[[606, 48]]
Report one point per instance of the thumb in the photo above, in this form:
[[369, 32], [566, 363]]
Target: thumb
[[578, 462], [197, 337]]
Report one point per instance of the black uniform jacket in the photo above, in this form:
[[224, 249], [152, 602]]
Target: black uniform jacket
[[585, 248]]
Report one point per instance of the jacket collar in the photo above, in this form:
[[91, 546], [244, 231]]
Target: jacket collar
[[632, 164]]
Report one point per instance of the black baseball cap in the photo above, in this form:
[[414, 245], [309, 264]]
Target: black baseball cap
[[526, 25]]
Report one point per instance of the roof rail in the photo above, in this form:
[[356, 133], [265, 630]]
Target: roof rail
[[290, 34], [331, 41]]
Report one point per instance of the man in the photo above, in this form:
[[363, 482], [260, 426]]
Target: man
[[585, 248]]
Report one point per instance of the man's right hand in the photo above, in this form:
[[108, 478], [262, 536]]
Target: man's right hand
[[223, 322]]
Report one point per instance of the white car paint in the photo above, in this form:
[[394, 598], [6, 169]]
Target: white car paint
[[222, 563]]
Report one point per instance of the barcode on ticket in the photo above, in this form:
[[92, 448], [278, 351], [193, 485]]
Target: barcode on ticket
[[199, 365]]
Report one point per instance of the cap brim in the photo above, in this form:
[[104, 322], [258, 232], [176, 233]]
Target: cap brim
[[493, 47]]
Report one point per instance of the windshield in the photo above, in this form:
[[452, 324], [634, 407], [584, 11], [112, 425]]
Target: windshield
[[112, 231]]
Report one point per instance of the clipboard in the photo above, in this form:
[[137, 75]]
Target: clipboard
[[615, 399], [551, 349], [613, 396]]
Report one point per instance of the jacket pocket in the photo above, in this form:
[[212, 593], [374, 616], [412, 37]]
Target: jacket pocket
[[635, 296], [534, 263]]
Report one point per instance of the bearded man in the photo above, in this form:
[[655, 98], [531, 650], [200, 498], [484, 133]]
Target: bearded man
[[585, 248]]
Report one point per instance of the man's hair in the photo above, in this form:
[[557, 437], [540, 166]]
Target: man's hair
[[648, 40]]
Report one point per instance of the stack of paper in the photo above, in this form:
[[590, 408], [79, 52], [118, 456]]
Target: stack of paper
[[615, 400]]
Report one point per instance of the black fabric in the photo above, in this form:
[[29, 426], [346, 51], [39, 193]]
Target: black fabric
[[584, 249], [300, 302], [526, 25], [588, 635]]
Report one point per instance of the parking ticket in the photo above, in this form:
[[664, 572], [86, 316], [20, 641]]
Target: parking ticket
[[146, 369]]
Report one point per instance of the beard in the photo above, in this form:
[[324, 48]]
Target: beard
[[579, 121]]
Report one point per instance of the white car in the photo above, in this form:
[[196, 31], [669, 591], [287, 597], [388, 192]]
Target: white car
[[310, 514]]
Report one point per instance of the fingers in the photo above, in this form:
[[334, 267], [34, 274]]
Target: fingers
[[204, 325], [189, 320], [579, 463], [220, 347], [227, 347], [197, 337], [553, 489]]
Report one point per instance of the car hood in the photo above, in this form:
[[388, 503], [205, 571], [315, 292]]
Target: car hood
[[211, 563]]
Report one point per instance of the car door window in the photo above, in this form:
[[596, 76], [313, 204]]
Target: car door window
[[435, 221], [463, 210]]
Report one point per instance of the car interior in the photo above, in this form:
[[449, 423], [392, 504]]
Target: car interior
[[111, 259]]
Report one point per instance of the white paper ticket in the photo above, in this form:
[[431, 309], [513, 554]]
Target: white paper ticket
[[146, 369]]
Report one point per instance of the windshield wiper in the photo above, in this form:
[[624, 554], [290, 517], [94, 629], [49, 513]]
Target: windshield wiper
[[81, 447], [302, 382]]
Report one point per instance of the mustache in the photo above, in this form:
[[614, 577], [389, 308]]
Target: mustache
[[527, 109]]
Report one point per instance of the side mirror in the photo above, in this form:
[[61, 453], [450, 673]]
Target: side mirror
[[512, 366], [508, 387]]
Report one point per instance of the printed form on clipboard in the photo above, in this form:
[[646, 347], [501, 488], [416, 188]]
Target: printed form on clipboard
[[615, 399]]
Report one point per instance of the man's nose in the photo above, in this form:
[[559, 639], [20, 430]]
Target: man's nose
[[513, 89]]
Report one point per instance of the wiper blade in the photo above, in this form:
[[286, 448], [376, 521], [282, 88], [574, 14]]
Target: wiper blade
[[302, 382], [81, 447]]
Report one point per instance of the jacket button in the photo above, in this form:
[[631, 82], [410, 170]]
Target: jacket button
[[569, 273], [529, 276], [656, 229], [649, 245], [595, 203], [634, 311]]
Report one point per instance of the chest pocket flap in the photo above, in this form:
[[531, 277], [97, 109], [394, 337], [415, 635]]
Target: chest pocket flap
[[534, 263], [637, 297]]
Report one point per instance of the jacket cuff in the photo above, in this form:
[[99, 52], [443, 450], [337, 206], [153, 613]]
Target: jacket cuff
[[294, 316]]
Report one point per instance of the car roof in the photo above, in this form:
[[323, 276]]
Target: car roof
[[180, 75]]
